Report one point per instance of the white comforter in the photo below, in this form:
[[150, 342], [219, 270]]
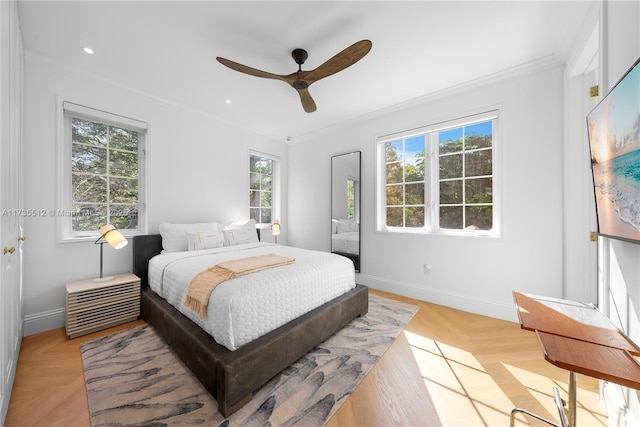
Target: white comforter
[[347, 243], [243, 309]]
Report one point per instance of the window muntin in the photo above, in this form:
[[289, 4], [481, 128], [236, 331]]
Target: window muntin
[[440, 179], [101, 179], [261, 189]]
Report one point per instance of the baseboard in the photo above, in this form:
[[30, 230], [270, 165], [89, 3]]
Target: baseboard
[[482, 306], [44, 321], [47, 320]]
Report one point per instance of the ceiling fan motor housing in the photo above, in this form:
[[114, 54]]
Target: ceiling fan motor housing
[[299, 55], [300, 84]]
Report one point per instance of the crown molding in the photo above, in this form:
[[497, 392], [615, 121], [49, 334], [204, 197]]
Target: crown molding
[[36, 58], [546, 63]]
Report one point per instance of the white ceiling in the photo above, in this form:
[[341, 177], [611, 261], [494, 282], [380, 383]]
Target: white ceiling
[[167, 49]]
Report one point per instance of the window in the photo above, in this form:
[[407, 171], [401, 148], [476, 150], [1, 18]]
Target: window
[[440, 179], [262, 176], [102, 158], [405, 182], [351, 196]]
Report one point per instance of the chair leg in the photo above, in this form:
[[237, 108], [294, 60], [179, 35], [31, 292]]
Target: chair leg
[[515, 411], [559, 404]]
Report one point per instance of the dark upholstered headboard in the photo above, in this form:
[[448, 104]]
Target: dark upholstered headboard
[[144, 248]]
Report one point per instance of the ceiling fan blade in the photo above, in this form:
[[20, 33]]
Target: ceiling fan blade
[[248, 70], [300, 80], [340, 61], [308, 103]]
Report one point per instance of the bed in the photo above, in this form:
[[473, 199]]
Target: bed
[[345, 240], [232, 375]]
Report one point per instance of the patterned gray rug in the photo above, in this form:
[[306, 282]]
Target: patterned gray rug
[[133, 379]]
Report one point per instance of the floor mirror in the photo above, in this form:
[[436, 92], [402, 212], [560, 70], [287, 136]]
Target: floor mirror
[[345, 206]]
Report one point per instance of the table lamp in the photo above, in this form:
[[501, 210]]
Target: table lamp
[[109, 234], [275, 229]]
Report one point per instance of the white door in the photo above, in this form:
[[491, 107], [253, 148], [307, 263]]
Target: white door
[[11, 238], [580, 254], [591, 251]]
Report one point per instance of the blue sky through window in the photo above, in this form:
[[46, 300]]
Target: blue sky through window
[[449, 135], [413, 146], [397, 147], [481, 129]]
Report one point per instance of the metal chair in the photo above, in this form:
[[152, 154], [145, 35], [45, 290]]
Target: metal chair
[[559, 404]]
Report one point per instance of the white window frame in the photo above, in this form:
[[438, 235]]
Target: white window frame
[[432, 187], [275, 190], [66, 110]]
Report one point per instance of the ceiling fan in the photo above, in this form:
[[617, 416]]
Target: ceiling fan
[[301, 80]]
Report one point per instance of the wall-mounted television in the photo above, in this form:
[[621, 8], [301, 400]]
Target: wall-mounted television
[[614, 140]]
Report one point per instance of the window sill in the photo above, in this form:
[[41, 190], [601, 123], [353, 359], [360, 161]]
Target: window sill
[[93, 236], [448, 233]]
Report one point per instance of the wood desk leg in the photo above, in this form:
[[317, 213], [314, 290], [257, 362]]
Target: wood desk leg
[[573, 391]]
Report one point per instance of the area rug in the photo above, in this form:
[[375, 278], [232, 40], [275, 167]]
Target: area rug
[[133, 379]]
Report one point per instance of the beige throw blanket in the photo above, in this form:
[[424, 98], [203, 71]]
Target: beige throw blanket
[[204, 283]]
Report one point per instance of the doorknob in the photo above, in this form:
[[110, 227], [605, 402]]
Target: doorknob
[[9, 250]]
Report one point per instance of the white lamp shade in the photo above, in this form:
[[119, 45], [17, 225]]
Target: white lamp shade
[[275, 227], [113, 236]]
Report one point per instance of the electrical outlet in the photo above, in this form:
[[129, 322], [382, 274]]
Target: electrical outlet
[[426, 268]]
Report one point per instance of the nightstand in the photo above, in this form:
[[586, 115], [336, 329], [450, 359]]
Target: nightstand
[[92, 306]]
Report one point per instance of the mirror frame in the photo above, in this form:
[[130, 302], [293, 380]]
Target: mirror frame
[[357, 203]]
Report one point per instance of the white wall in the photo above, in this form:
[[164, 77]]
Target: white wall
[[470, 273], [619, 269], [197, 171]]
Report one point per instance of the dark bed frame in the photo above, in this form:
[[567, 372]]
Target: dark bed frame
[[232, 376]]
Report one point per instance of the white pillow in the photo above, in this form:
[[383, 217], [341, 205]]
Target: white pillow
[[347, 225], [240, 232], [174, 236], [204, 240]]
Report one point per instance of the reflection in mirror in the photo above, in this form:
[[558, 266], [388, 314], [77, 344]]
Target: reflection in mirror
[[345, 206]]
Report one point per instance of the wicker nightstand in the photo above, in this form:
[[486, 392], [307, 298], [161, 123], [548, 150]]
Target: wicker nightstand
[[92, 306]]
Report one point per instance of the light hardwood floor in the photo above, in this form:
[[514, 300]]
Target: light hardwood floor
[[448, 368]]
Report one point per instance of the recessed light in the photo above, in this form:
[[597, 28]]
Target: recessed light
[[228, 101], [88, 50]]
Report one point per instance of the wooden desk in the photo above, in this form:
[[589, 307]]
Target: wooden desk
[[571, 319], [598, 361], [579, 338]]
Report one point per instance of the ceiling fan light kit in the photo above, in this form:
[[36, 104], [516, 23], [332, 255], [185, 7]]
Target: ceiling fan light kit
[[301, 80]]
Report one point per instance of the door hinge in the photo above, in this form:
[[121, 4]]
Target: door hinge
[[593, 236], [594, 91]]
